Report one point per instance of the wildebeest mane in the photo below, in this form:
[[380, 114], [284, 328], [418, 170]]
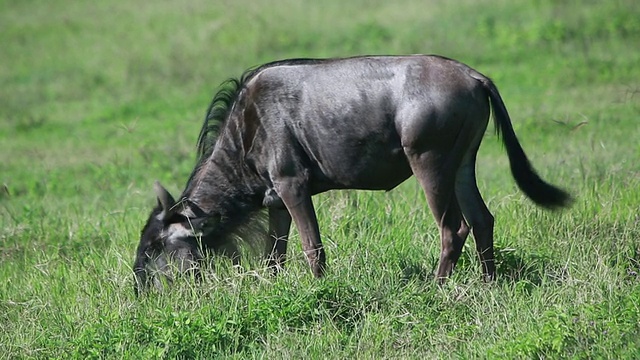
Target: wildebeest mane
[[222, 105], [224, 101], [217, 113]]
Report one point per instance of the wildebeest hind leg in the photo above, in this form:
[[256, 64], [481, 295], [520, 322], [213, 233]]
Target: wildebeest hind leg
[[477, 214], [436, 178]]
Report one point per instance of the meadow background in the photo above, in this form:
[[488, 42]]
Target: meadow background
[[99, 99]]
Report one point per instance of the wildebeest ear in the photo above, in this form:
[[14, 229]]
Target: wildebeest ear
[[165, 200]]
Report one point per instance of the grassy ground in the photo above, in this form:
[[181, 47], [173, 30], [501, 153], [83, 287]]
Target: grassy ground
[[98, 99]]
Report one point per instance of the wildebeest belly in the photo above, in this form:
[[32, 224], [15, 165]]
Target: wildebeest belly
[[356, 155], [381, 171]]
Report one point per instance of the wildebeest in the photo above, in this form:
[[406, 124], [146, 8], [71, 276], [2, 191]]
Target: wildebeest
[[291, 129]]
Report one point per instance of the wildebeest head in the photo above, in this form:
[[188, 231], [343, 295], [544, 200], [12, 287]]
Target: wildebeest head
[[171, 236]]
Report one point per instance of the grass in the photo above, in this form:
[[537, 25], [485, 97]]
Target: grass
[[100, 99]]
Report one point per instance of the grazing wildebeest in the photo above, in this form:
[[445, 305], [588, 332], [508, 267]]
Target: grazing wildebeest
[[291, 129]]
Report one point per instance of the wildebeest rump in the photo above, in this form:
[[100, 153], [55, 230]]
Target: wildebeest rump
[[291, 129]]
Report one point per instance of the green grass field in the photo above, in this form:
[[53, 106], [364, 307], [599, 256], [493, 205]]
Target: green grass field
[[99, 99]]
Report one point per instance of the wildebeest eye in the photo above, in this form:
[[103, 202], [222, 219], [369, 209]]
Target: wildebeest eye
[[176, 218]]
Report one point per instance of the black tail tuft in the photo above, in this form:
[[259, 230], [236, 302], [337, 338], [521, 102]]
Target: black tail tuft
[[541, 192], [538, 190]]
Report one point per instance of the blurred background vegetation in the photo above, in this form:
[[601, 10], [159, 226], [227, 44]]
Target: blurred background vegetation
[[98, 91]]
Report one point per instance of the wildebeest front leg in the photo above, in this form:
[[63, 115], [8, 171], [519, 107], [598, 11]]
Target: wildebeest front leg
[[279, 225], [297, 199]]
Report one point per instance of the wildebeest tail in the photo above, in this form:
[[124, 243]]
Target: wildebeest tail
[[541, 192]]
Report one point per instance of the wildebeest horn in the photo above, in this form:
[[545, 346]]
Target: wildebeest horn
[[164, 198]]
